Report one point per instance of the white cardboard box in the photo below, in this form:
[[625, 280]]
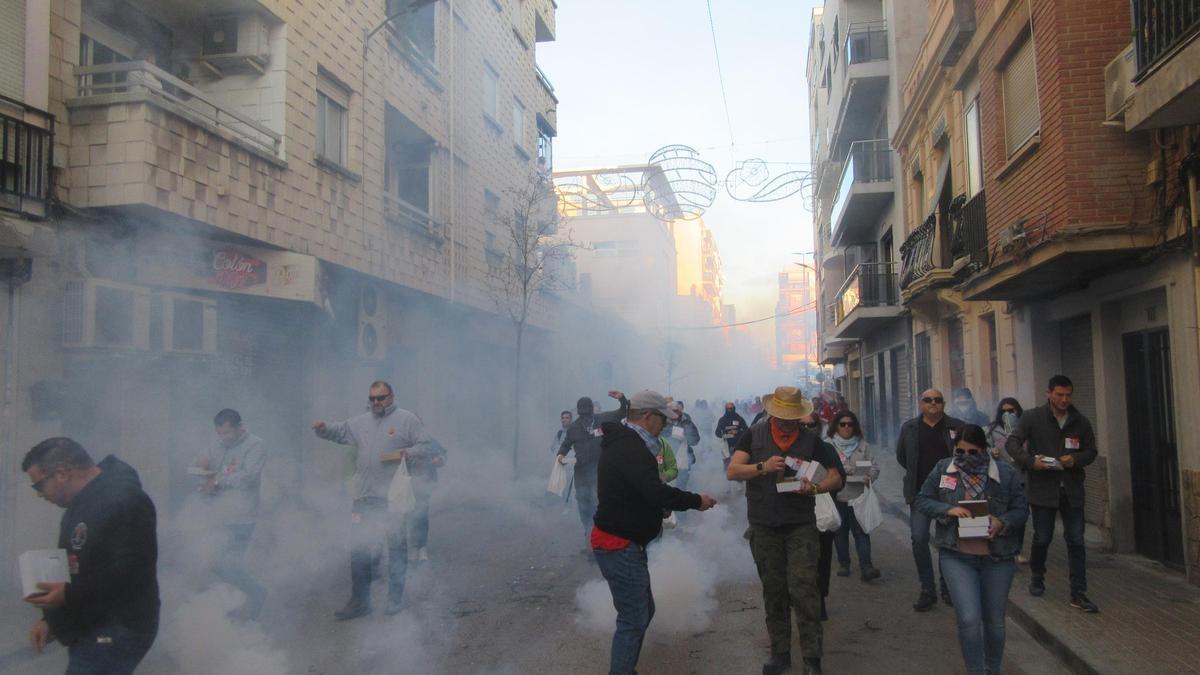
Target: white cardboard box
[[42, 566], [969, 528]]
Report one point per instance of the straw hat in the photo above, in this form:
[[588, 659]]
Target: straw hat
[[787, 403]]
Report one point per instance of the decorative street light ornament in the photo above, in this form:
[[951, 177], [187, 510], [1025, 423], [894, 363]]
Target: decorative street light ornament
[[752, 181], [677, 184], [600, 192]]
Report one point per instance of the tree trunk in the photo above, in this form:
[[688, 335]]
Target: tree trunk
[[517, 401]]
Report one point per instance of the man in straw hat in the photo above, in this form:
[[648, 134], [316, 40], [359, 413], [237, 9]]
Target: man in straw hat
[[629, 517], [785, 466]]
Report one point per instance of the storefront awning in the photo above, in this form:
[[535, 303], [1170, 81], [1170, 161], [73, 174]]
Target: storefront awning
[[230, 268]]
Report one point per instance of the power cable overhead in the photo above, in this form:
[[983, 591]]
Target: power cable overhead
[[720, 72], [797, 310]]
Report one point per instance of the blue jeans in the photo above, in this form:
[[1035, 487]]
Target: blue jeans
[[841, 538], [628, 579], [979, 586], [918, 524], [108, 650], [1043, 534], [585, 499], [230, 567]]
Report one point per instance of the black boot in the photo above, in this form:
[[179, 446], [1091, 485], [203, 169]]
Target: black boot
[[779, 663], [925, 601], [812, 667]]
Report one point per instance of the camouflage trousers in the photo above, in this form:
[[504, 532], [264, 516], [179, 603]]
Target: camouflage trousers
[[786, 558]]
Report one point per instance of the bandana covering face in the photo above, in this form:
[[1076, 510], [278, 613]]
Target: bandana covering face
[[974, 472], [783, 439], [845, 447]]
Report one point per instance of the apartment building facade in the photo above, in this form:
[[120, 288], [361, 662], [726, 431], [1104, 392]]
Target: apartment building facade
[[264, 207], [796, 337], [1047, 232], [860, 52]]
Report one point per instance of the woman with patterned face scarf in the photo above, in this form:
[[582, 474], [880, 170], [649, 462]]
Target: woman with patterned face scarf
[[1008, 413], [846, 436], [978, 504]]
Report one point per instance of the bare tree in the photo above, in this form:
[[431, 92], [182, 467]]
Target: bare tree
[[529, 256]]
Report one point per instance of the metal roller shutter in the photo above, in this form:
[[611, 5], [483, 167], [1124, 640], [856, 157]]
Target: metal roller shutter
[[1077, 364], [12, 49]]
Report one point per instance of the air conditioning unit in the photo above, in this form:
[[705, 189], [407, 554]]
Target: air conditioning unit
[[372, 323], [102, 313], [232, 41], [189, 324], [1118, 85]]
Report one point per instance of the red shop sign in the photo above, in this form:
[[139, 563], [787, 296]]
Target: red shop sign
[[234, 269]]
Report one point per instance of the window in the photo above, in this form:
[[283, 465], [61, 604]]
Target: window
[[332, 127], [972, 138], [491, 217], [415, 25], [491, 93], [545, 148], [518, 122], [1021, 117], [94, 53], [924, 366], [406, 169]]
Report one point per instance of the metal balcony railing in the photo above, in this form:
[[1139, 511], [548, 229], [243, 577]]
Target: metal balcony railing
[[1161, 25], [869, 285], [867, 162], [971, 231], [866, 41], [141, 78], [401, 213], [916, 253], [545, 82], [26, 156]]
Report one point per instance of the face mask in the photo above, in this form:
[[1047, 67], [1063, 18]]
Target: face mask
[[1009, 419], [976, 463]]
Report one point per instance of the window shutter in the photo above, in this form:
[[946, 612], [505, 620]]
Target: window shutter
[[12, 49], [1021, 116]]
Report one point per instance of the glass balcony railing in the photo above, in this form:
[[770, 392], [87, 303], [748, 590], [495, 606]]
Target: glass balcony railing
[[869, 285], [867, 162], [866, 41]]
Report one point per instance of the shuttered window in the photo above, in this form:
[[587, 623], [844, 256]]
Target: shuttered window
[[1021, 116], [12, 49]]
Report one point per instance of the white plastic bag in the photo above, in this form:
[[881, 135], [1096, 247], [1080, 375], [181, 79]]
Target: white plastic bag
[[670, 522], [828, 519], [558, 478], [867, 510], [401, 498]]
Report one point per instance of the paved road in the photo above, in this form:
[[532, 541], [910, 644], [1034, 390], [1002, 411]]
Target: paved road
[[502, 596]]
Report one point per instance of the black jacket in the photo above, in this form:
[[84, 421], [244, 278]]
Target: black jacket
[[108, 531], [584, 436], [908, 451], [726, 424], [631, 495], [1040, 429]]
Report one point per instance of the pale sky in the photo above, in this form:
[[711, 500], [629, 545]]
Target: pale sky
[[634, 75]]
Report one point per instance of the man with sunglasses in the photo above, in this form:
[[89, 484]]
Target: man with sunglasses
[[396, 432], [107, 614], [923, 442], [629, 517]]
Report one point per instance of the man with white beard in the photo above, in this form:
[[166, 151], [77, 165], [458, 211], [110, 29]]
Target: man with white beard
[[384, 437]]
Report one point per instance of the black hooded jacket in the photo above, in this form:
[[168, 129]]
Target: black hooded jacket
[[109, 533], [632, 497], [584, 435], [731, 422]]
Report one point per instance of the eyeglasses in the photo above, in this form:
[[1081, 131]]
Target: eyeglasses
[[846, 425], [37, 487], [933, 399], [811, 425], [379, 399]]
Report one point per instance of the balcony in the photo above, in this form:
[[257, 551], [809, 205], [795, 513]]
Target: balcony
[[26, 158], [402, 214], [867, 301], [1167, 45], [970, 245], [866, 68], [865, 189], [833, 349], [142, 139]]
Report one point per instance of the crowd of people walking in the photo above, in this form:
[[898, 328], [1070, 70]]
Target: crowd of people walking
[[809, 470]]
